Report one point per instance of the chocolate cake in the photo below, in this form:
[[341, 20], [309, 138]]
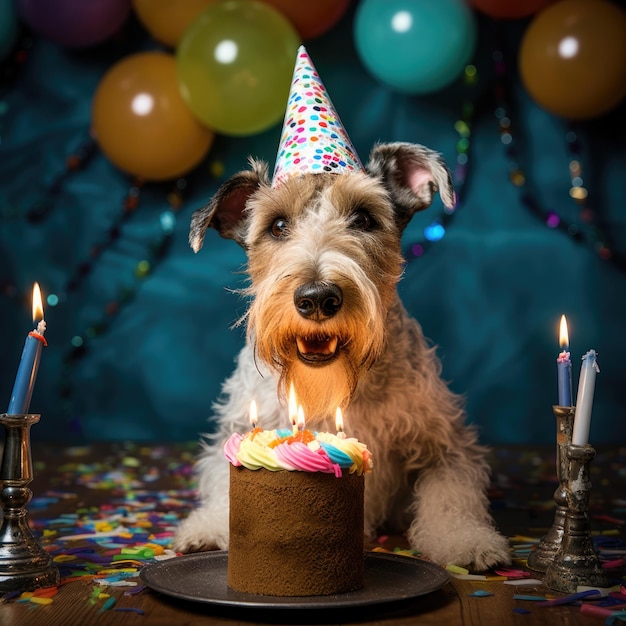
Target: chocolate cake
[[295, 533]]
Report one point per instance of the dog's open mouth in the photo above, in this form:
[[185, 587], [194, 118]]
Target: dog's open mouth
[[317, 350]]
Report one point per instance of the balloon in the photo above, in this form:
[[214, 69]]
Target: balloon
[[167, 20], [509, 9], [313, 18], [235, 64], [415, 46], [75, 23], [141, 122], [573, 58]]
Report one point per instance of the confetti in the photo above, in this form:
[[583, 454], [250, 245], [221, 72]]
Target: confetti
[[129, 609], [571, 598], [524, 582], [107, 605], [513, 573], [38, 600]]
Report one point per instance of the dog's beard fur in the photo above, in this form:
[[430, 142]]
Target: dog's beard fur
[[274, 327]]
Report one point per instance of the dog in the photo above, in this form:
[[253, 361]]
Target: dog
[[324, 260]]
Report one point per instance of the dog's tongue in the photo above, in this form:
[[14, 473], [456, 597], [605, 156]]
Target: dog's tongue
[[316, 346]]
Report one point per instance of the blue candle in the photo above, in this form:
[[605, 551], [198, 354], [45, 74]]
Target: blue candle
[[564, 366], [584, 400], [29, 363]]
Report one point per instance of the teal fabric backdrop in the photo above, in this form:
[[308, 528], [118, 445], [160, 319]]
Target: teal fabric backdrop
[[489, 294]]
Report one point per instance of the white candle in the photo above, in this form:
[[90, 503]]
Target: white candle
[[584, 400]]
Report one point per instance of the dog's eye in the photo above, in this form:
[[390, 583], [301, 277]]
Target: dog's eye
[[279, 228], [362, 220]]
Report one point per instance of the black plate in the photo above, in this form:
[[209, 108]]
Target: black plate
[[201, 577]]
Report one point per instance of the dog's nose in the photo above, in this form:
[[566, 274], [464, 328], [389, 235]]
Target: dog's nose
[[318, 300]]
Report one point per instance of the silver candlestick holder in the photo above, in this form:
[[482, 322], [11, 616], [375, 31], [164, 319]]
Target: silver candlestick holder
[[576, 562], [543, 555], [24, 564]]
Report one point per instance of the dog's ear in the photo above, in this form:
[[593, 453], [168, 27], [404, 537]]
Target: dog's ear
[[225, 212], [412, 175]]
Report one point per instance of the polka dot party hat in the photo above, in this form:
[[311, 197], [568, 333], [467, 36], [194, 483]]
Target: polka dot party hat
[[313, 140]]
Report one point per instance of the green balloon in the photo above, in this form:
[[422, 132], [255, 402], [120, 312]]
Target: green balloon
[[234, 66]]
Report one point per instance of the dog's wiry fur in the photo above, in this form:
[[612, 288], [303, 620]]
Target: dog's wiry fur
[[343, 230]]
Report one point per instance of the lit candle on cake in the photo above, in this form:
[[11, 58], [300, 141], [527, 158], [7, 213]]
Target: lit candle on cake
[[253, 416], [584, 400], [339, 423], [301, 421], [29, 362], [564, 366], [293, 409]]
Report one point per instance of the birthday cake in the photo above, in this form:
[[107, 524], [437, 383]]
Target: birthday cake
[[296, 512]]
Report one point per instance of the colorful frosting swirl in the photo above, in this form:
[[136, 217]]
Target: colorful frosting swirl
[[303, 451]]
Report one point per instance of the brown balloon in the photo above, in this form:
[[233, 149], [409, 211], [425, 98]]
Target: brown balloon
[[141, 121], [573, 58]]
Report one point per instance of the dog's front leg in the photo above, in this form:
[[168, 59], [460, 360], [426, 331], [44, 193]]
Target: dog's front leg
[[206, 528], [451, 522]]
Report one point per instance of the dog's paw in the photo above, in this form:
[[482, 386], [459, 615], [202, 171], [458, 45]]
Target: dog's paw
[[186, 546], [476, 547], [489, 550], [197, 533]]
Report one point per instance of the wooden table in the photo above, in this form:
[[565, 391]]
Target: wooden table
[[101, 481]]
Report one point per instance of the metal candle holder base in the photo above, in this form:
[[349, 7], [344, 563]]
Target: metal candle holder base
[[543, 556], [576, 562], [24, 564]]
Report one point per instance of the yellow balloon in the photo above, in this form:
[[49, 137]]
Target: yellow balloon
[[167, 20], [235, 64], [573, 58], [141, 121]]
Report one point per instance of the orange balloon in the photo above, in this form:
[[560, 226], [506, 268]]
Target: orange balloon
[[311, 18], [509, 9], [573, 58], [141, 121], [167, 20]]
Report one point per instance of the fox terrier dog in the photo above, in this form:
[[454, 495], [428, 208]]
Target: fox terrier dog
[[324, 259]]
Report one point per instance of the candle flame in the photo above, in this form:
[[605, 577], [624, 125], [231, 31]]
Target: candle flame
[[293, 406], [37, 303], [253, 414], [339, 420], [563, 334], [301, 420]]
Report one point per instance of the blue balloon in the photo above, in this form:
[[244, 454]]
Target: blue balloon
[[415, 46], [9, 27]]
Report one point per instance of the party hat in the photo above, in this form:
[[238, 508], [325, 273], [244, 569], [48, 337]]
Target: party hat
[[313, 139]]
